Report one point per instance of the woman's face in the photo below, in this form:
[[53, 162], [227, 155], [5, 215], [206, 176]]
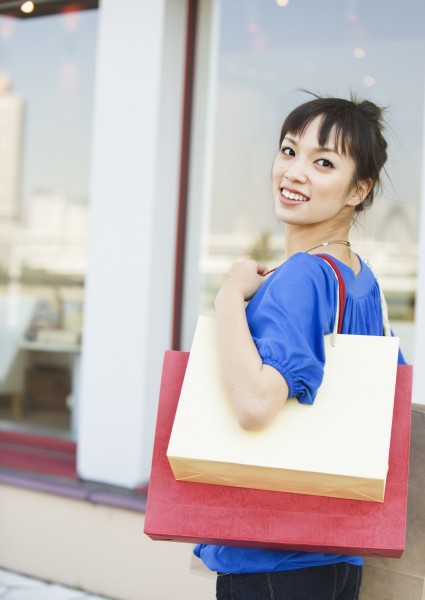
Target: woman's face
[[313, 184]]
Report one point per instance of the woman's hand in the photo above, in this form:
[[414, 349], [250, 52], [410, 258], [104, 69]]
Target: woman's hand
[[244, 279]]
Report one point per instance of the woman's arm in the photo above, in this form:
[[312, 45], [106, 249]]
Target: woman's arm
[[257, 391]]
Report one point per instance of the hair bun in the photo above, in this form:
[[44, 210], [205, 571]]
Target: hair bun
[[372, 111]]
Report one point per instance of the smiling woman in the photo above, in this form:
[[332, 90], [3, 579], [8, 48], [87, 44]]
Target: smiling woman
[[324, 175], [331, 153]]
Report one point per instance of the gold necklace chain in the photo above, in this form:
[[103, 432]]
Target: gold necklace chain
[[324, 244]]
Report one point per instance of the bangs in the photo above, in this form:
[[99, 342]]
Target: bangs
[[336, 124]]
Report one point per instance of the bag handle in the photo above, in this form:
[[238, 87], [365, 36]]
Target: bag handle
[[340, 300], [342, 295], [340, 304]]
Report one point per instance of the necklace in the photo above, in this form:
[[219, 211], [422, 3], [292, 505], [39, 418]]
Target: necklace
[[324, 244]]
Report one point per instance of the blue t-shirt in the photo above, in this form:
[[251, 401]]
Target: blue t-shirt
[[288, 317]]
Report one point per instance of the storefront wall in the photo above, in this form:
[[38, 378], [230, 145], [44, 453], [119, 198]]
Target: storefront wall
[[135, 171], [251, 60]]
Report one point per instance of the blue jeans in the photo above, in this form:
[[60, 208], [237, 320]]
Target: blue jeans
[[332, 582]]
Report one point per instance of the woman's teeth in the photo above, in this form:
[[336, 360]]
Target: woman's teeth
[[292, 196]]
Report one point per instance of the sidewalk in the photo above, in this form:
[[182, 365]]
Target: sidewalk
[[20, 587]]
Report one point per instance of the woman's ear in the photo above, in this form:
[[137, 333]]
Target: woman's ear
[[360, 192]]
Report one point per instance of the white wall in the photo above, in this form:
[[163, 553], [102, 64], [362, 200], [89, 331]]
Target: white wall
[[96, 548], [132, 226]]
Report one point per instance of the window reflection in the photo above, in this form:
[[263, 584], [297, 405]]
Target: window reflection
[[46, 85], [267, 53]]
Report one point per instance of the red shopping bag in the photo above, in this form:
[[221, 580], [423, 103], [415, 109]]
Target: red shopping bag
[[204, 513]]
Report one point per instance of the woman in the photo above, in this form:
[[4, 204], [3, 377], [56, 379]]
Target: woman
[[327, 170]]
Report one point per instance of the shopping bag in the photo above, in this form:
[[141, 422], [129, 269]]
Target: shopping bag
[[217, 514], [337, 447]]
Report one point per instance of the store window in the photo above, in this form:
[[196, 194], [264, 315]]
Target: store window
[[265, 53], [46, 87]]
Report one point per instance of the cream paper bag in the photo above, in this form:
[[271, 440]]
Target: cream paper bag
[[337, 447]]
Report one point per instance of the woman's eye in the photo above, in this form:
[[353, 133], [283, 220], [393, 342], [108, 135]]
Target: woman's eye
[[324, 162], [287, 151]]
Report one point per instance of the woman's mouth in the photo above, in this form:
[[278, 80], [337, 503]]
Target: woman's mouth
[[293, 197]]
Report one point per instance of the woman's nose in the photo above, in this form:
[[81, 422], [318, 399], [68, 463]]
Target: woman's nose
[[295, 171]]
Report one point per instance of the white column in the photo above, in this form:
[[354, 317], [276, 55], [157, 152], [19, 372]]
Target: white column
[[419, 372], [132, 227]]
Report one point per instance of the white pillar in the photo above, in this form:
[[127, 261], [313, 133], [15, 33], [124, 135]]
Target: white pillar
[[419, 354], [132, 227]]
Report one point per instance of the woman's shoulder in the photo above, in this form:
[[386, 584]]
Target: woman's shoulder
[[304, 280], [305, 267], [308, 273], [313, 268]]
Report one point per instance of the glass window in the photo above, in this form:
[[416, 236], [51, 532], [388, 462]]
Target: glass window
[[266, 54], [46, 87]]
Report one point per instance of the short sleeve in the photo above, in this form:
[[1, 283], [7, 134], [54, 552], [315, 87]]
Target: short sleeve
[[288, 318]]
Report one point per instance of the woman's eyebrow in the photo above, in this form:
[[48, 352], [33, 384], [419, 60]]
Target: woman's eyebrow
[[317, 149], [326, 149], [289, 139]]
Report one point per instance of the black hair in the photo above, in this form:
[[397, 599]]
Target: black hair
[[358, 129]]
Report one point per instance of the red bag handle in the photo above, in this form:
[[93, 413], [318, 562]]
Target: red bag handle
[[341, 288]]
